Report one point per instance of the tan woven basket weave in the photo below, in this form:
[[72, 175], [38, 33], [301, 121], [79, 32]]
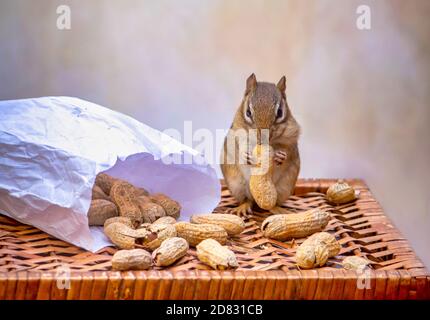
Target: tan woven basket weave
[[29, 261]]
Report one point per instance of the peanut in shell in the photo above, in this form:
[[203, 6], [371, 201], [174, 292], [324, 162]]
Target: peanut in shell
[[122, 194], [170, 206], [165, 220], [150, 211], [163, 232], [135, 259], [170, 251], [105, 182], [100, 210], [218, 257], [124, 220], [355, 263], [340, 193], [231, 223], [261, 185], [295, 225], [316, 250], [125, 237], [97, 193], [195, 233]]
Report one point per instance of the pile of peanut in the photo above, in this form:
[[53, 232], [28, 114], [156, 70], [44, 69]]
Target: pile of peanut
[[139, 223], [319, 246], [115, 197], [144, 227]]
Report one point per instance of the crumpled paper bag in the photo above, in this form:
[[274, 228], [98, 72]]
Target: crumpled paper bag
[[52, 148]]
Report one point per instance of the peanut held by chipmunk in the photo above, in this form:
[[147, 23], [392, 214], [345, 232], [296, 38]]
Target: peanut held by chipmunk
[[263, 111]]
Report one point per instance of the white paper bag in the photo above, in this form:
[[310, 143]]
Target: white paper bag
[[52, 148]]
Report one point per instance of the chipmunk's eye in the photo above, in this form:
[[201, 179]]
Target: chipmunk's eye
[[248, 112], [279, 113]]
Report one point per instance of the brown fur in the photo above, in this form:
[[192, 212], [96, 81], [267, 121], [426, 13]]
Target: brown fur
[[284, 136]]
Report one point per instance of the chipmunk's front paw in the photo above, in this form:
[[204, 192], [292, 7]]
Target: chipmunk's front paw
[[249, 159], [242, 210], [279, 157]]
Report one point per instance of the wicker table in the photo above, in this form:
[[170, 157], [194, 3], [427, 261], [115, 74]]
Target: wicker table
[[29, 261]]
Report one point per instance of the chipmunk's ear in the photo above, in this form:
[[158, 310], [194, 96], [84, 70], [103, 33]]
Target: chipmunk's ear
[[251, 84], [282, 85]]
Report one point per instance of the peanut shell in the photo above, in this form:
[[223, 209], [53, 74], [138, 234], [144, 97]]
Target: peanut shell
[[100, 210], [163, 232], [231, 223], [170, 251], [195, 233], [316, 250], [308, 257], [260, 183], [135, 259], [340, 193], [105, 182], [150, 211], [124, 220], [125, 237], [172, 207], [122, 194], [218, 257], [355, 263], [295, 225], [97, 193], [165, 220]]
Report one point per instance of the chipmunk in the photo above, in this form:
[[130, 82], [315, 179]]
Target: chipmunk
[[264, 106]]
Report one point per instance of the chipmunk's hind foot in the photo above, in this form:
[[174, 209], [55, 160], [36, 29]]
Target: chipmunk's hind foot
[[242, 210]]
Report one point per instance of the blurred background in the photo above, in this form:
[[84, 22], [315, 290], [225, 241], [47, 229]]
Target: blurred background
[[362, 97]]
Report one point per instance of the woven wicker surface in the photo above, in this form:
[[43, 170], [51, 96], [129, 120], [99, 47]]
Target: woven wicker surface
[[29, 256]]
